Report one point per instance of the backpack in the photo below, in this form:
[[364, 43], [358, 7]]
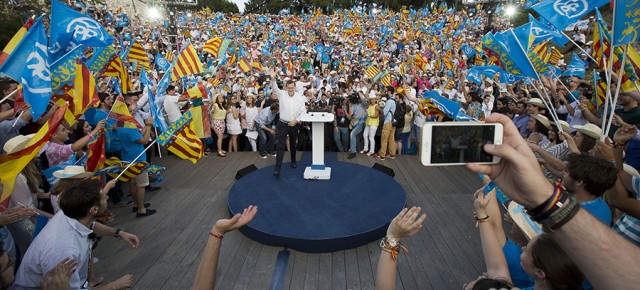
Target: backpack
[[398, 115]]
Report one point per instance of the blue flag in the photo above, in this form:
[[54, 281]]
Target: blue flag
[[63, 71], [144, 78], [116, 86], [577, 67], [540, 28], [448, 107], [29, 65], [162, 63], [562, 13], [468, 50], [156, 111], [68, 25], [529, 3], [627, 22], [474, 76], [100, 58], [513, 56]]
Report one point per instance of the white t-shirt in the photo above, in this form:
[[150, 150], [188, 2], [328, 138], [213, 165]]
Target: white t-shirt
[[172, 108]]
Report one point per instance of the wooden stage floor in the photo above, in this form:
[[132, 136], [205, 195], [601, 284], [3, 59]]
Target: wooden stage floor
[[445, 254]]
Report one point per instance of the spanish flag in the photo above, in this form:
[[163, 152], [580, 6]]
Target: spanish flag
[[12, 164], [4, 54], [120, 113], [244, 65]]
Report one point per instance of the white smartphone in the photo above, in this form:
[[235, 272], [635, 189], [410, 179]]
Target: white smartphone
[[457, 143]]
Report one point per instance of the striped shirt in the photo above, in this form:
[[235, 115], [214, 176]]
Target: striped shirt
[[628, 226]]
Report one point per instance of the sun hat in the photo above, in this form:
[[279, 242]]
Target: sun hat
[[72, 172], [542, 119], [536, 102], [565, 126], [590, 130], [17, 143]]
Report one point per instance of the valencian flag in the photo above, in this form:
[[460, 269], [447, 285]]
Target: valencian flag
[[116, 68], [63, 71], [181, 139], [81, 97], [420, 62], [96, 158], [600, 92], [169, 56], [120, 113], [602, 41], [187, 63], [100, 58], [372, 72], [212, 46], [15, 40], [195, 95], [627, 22], [29, 65], [12, 164], [115, 166], [562, 13]]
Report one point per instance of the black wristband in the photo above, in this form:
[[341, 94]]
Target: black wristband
[[561, 216], [117, 233]]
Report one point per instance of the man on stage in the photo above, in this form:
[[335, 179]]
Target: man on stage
[[291, 109]]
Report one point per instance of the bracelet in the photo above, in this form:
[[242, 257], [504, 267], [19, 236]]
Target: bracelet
[[90, 136], [481, 220], [546, 208], [219, 236], [619, 145], [560, 217], [117, 233], [394, 251]]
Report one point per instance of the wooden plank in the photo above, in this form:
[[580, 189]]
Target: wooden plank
[[324, 271], [338, 271], [263, 271], [312, 277], [352, 273], [299, 270]]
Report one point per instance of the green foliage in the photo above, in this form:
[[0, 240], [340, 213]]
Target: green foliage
[[12, 17], [223, 6]]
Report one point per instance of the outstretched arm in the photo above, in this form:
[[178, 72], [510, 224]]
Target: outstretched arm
[[206, 275]]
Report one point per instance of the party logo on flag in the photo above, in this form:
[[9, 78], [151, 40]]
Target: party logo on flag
[[571, 8]]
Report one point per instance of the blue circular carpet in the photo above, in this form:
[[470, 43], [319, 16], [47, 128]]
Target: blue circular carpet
[[351, 209]]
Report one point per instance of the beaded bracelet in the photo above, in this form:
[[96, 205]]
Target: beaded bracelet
[[219, 236], [394, 251]]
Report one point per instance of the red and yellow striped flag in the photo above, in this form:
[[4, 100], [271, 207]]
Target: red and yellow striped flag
[[8, 49], [386, 80], [116, 68], [256, 65], [133, 171], [420, 62], [181, 139], [81, 97], [372, 71], [137, 52], [12, 164], [188, 63], [169, 56], [244, 65], [120, 113], [212, 46], [96, 158]]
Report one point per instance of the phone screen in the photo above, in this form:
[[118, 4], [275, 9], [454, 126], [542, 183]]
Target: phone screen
[[461, 144]]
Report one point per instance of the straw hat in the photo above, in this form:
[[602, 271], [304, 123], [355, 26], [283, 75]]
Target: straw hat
[[590, 130], [565, 126], [542, 119], [529, 227], [536, 102], [72, 172], [632, 171], [17, 143]]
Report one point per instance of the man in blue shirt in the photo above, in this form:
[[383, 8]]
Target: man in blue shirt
[[266, 134], [522, 119], [133, 143]]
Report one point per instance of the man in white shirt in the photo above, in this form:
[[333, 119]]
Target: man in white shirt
[[171, 106], [291, 109], [70, 234]]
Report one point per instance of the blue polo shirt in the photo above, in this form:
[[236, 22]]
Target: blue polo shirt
[[130, 148]]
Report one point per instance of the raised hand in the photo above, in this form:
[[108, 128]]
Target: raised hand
[[406, 223], [226, 225]]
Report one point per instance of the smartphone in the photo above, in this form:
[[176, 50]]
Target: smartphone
[[457, 143]]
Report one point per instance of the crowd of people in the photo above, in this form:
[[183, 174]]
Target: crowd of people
[[362, 67]]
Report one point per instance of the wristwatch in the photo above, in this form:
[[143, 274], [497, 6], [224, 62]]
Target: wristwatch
[[390, 241], [117, 233]]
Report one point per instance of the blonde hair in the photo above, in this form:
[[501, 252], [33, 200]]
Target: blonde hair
[[33, 176]]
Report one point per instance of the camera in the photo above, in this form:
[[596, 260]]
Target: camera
[[354, 98]]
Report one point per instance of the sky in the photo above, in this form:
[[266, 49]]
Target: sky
[[240, 4]]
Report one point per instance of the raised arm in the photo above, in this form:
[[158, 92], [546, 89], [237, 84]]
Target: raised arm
[[78, 145]]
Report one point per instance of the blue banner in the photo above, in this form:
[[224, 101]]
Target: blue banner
[[577, 67], [468, 50], [162, 63], [63, 71], [100, 58], [541, 28], [562, 13]]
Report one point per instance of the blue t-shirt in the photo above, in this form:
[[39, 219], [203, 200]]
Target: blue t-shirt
[[130, 148], [519, 277], [599, 209]]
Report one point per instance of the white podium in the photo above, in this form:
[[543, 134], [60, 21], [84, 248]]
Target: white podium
[[317, 170]]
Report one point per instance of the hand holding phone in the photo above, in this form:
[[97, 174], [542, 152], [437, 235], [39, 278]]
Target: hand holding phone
[[458, 143]]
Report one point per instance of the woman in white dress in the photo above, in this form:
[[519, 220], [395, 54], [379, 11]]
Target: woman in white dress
[[233, 123], [250, 112]]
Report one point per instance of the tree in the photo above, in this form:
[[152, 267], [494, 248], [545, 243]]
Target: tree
[[13, 16]]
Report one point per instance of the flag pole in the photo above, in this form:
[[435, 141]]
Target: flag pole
[[609, 68], [579, 47], [615, 99], [159, 151], [136, 159], [9, 96], [17, 119]]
